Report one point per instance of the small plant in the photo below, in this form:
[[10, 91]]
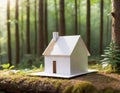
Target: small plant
[[7, 66], [30, 61], [111, 56]]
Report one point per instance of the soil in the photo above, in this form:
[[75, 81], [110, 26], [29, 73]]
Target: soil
[[102, 80]]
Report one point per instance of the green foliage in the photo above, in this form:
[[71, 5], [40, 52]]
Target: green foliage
[[7, 66], [41, 67], [30, 61], [96, 66], [111, 56]]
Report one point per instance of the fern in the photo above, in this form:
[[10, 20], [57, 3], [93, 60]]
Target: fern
[[111, 56]]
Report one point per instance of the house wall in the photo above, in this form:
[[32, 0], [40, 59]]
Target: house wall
[[62, 65], [79, 59]]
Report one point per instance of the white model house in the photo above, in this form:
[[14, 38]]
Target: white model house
[[66, 56]]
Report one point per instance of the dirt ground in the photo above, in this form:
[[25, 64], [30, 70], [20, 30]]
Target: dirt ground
[[102, 80]]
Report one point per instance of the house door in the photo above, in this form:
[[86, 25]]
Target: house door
[[54, 66]]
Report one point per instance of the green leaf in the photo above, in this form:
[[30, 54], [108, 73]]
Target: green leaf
[[5, 66], [11, 67]]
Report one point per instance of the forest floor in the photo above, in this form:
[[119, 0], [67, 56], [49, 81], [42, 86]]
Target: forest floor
[[102, 80]]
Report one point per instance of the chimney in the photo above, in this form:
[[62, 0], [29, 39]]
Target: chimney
[[55, 36]]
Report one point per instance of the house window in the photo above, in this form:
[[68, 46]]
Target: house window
[[54, 66]]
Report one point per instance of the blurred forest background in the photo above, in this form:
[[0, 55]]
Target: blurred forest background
[[26, 26]]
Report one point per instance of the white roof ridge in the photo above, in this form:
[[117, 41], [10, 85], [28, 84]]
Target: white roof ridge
[[70, 35]]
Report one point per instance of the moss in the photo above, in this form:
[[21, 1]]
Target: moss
[[79, 87], [33, 84], [109, 90], [68, 89], [57, 84], [84, 87]]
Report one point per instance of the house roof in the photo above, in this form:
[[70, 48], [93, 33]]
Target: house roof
[[64, 46]]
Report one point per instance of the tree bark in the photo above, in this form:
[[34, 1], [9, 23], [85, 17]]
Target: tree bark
[[9, 33], [28, 28], [88, 39], [107, 29], [62, 18], [101, 26], [40, 30], [76, 22], [45, 24], [79, 18], [0, 53], [56, 16], [35, 46], [17, 32], [22, 32], [116, 21]]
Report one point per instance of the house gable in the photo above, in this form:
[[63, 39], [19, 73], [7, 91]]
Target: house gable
[[79, 58]]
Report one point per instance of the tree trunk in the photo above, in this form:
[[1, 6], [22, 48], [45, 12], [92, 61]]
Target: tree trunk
[[76, 22], [9, 33], [107, 29], [35, 46], [116, 21], [101, 26], [28, 28], [40, 30], [45, 24], [79, 24], [88, 39], [0, 54], [22, 32], [17, 32], [56, 16], [62, 18]]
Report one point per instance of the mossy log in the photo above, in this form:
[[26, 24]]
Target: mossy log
[[26, 84]]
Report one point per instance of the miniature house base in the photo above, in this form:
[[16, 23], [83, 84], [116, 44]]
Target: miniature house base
[[43, 74]]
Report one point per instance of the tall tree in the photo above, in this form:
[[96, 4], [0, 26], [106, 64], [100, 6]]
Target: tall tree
[[45, 24], [62, 18], [101, 26], [35, 46], [56, 16], [88, 39], [17, 32], [40, 30], [76, 22], [22, 30], [28, 28], [107, 28], [116, 21], [0, 55], [9, 33], [79, 18]]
